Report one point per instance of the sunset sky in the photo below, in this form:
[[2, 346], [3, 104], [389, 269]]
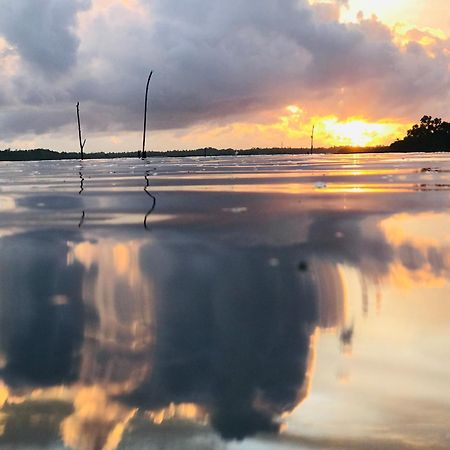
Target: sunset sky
[[227, 73]]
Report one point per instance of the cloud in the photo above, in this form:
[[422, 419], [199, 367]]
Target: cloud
[[43, 32], [243, 59]]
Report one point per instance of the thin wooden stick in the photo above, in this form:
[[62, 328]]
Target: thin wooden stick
[[145, 115], [312, 140], [79, 131]]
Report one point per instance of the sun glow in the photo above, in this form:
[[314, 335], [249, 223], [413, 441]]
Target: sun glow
[[357, 132], [386, 10], [294, 109], [289, 126], [429, 38], [330, 131]]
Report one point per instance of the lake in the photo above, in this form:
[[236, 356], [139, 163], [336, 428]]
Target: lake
[[226, 303]]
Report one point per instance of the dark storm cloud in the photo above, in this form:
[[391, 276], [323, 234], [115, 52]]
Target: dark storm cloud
[[35, 121], [213, 61], [43, 32]]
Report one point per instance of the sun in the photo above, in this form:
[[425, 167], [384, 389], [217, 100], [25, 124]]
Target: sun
[[356, 132]]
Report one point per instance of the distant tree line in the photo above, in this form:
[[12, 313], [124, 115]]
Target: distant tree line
[[430, 135], [45, 154], [39, 154]]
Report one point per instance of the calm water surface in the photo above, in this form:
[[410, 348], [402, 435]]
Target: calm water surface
[[226, 303]]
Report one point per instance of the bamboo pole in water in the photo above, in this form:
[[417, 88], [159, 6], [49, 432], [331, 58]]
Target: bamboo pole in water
[[312, 140], [79, 131], [145, 115]]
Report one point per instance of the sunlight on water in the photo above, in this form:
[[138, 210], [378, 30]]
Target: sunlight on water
[[238, 302]]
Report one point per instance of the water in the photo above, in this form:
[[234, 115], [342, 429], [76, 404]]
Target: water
[[226, 303]]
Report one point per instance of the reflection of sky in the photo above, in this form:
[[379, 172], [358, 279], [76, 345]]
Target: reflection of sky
[[405, 397], [396, 380], [232, 318]]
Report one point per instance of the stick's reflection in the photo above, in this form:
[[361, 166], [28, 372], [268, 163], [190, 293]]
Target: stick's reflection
[[83, 214], [81, 181], [153, 200]]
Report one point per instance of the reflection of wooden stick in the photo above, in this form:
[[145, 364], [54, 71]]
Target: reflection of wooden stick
[[145, 115], [79, 130], [153, 201], [83, 215], [81, 183]]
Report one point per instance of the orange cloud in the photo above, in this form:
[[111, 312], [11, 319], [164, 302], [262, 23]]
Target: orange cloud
[[433, 40]]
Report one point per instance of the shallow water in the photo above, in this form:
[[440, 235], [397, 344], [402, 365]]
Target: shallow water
[[226, 303]]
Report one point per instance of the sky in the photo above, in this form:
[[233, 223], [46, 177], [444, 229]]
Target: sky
[[258, 73]]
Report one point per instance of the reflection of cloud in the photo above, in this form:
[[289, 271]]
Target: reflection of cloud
[[421, 244], [182, 411], [330, 294], [118, 340], [4, 394], [40, 335], [184, 327], [425, 229], [233, 333], [97, 423], [351, 239], [409, 250], [31, 424], [407, 279], [75, 311], [185, 324]]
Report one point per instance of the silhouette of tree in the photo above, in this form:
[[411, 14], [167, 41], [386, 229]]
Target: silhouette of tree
[[430, 135]]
